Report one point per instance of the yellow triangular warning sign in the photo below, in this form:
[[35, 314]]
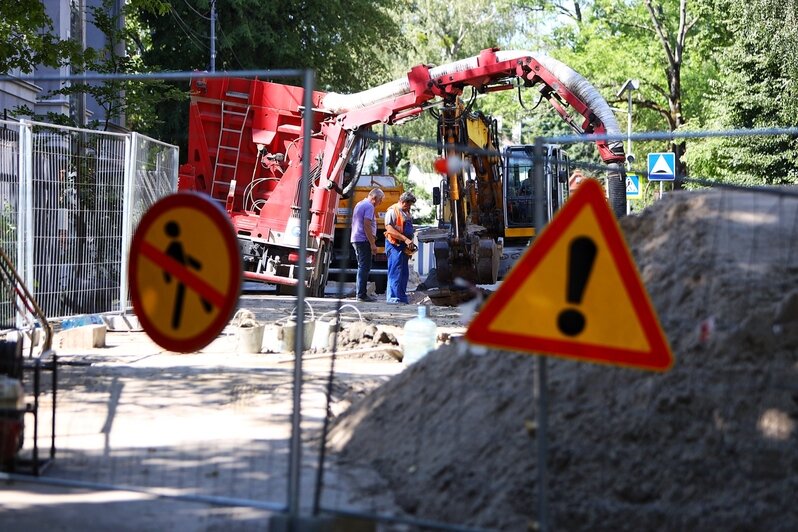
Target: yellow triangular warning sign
[[576, 293]]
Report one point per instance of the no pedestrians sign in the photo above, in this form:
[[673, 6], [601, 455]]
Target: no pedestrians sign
[[184, 272]]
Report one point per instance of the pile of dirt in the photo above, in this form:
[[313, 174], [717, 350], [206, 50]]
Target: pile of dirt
[[363, 334], [709, 445], [366, 340]]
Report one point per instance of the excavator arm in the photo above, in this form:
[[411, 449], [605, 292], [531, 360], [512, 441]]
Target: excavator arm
[[492, 70], [470, 246]]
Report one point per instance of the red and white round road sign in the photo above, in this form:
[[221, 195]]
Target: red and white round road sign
[[184, 271]]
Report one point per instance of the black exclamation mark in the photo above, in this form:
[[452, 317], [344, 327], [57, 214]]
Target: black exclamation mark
[[581, 256]]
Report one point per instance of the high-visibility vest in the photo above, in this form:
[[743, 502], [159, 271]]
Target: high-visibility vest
[[400, 219]]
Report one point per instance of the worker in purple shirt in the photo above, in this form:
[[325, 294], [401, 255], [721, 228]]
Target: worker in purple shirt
[[364, 238]]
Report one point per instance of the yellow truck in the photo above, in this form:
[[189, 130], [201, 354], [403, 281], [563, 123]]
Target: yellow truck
[[344, 262]]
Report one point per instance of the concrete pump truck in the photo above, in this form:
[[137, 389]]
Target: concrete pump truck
[[245, 149]]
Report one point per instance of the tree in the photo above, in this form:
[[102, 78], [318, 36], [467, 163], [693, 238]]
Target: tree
[[342, 41], [666, 44], [755, 88], [571, 10], [440, 32], [122, 54], [29, 39], [136, 100]]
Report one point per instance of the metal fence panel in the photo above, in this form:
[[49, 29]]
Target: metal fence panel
[[78, 179], [70, 199], [709, 444], [152, 172], [452, 437], [220, 438], [9, 210]]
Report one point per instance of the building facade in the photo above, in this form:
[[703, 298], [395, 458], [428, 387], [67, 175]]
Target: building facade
[[71, 20]]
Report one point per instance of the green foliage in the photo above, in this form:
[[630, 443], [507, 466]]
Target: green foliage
[[755, 88], [440, 32], [134, 99], [28, 38], [345, 42], [8, 225], [640, 39], [50, 117]]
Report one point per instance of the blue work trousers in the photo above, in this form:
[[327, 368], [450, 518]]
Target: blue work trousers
[[363, 254], [398, 273]]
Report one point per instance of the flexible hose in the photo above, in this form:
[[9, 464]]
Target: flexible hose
[[571, 80]]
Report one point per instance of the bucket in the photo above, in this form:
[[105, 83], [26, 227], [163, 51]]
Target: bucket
[[249, 336], [326, 328], [287, 331], [289, 334], [322, 335]]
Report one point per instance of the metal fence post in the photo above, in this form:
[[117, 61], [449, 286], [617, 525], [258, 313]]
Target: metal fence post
[[175, 163], [295, 461], [127, 214], [25, 208], [541, 210]]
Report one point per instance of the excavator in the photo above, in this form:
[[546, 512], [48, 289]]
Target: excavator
[[245, 151], [486, 199]]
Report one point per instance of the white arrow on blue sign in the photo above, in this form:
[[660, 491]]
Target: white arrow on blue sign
[[661, 166], [632, 186]]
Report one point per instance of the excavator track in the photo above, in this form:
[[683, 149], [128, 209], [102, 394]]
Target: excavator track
[[442, 263], [487, 262]]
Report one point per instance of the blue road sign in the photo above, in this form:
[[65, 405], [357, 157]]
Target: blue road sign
[[661, 166], [632, 186]]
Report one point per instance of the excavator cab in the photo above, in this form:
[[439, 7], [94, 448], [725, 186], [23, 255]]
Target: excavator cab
[[519, 187]]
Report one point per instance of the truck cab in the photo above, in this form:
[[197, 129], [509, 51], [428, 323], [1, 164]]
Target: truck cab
[[344, 261]]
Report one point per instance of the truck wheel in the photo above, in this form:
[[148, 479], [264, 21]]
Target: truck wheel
[[320, 283], [286, 290]]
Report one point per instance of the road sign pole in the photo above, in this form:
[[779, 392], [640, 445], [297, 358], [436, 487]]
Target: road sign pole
[[540, 373], [542, 441]]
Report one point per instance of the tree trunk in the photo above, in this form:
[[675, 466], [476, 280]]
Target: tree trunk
[[676, 121]]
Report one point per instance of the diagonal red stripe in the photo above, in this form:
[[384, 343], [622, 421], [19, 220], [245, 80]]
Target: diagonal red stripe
[[185, 275]]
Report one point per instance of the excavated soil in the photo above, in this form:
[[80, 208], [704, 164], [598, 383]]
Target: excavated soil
[[709, 445]]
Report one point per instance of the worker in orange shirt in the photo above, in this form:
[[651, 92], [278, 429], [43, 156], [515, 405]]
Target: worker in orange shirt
[[577, 178]]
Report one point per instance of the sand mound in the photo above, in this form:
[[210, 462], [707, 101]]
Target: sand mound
[[710, 445]]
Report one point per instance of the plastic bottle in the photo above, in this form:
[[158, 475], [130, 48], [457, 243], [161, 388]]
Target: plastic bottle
[[420, 336]]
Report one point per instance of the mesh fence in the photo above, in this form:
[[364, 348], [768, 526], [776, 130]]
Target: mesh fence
[[9, 215], [66, 220], [204, 432], [77, 185], [451, 439], [454, 436]]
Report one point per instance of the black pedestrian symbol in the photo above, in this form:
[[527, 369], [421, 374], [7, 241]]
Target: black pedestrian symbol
[[175, 251], [581, 257]]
